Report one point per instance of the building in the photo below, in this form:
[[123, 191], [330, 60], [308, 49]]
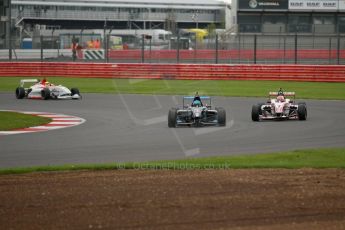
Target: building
[[119, 14], [4, 22], [290, 16]]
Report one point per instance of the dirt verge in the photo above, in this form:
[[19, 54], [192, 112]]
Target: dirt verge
[[167, 199]]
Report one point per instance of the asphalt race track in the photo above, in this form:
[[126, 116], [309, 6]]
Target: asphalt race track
[[121, 128]]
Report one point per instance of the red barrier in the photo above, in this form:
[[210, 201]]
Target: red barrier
[[225, 54], [316, 73]]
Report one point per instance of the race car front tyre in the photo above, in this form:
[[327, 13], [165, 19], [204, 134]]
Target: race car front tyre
[[221, 116], [256, 113], [172, 118], [260, 110], [302, 112], [20, 93], [75, 91], [45, 93]]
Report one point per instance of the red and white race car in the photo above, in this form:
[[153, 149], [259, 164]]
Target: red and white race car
[[45, 90], [280, 107]]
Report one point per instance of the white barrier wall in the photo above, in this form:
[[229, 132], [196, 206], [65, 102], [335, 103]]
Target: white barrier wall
[[21, 54]]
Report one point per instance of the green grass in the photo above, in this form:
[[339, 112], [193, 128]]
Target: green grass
[[311, 158], [307, 90], [13, 120]]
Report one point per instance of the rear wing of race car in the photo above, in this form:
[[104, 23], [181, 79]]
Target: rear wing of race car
[[189, 98], [192, 97], [285, 93], [23, 81]]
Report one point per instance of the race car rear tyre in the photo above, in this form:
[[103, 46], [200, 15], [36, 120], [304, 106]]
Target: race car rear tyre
[[256, 113], [20, 93], [172, 118], [45, 93], [75, 91], [302, 112], [221, 116]]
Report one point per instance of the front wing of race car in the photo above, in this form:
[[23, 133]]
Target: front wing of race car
[[278, 117], [289, 113], [292, 112], [203, 117], [75, 96]]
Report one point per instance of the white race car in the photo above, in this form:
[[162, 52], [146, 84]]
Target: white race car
[[45, 90], [280, 108]]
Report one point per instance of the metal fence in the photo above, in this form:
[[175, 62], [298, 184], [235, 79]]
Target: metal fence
[[222, 49]]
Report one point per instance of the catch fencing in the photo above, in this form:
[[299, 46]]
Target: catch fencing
[[219, 49]]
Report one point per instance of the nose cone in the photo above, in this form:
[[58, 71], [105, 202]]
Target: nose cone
[[279, 107], [197, 112]]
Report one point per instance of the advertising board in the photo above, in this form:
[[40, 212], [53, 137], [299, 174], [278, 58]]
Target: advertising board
[[263, 4], [306, 5]]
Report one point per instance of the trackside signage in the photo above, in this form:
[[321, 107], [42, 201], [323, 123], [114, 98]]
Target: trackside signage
[[299, 5], [327, 5], [263, 4]]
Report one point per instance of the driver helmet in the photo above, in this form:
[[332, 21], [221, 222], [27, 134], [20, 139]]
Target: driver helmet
[[280, 92], [197, 103], [280, 96]]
